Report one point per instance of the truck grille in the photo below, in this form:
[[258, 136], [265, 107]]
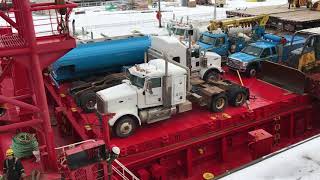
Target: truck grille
[[233, 63]]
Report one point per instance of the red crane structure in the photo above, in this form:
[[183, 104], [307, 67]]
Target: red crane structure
[[29, 44]]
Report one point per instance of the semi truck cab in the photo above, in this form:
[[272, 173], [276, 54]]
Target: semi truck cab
[[208, 65], [154, 91]]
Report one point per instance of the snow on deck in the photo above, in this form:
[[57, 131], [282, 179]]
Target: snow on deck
[[301, 162]]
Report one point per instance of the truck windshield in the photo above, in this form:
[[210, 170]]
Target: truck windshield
[[252, 50], [137, 81], [179, 32], [207, 39]]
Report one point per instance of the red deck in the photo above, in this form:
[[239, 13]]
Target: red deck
[[197, 141]]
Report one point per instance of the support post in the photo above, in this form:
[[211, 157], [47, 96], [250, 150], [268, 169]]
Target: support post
[[159, 11], [224, 148], [189, 162]]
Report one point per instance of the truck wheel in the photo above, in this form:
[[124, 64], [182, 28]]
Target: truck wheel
[[88, 101], [212, 75], [238, 97], [125, 127], [219, 103], [251, 71]]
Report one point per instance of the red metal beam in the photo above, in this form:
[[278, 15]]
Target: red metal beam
[[53, 6], [14, 126], [6, 70], [6, 18], [4, 99], [13, 52]]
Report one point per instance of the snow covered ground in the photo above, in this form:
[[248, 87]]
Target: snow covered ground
[[299, 163], [97, 20]]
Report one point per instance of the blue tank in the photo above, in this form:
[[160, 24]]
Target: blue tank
[[100, 57]]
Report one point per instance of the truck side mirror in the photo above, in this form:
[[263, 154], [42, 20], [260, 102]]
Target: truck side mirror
[[149, 86], [190, 32]]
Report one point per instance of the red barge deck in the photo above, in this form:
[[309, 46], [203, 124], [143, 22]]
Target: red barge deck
[[199, 141], [183, 147]]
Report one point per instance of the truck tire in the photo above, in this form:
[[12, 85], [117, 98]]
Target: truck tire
[[219, 102], [88, 101], [238, 97], [125, 127], [252, 71], [213, 75]]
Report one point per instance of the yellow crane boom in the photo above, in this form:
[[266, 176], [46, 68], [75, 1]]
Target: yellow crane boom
[[260, 20]]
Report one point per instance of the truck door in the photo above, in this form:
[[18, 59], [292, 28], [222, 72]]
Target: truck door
[[266, 55], [274, 55], [220, 46], [195, 60], [154, 97]]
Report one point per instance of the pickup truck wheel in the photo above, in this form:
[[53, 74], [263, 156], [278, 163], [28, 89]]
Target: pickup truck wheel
[[88, 101], [251, 71], [125, 127], [238, 97], [219, 103], [212, 76]]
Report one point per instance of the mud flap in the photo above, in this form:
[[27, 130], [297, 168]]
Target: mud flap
[[283, 76]]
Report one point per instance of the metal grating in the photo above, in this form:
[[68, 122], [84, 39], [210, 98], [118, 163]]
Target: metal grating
[[12, 41]]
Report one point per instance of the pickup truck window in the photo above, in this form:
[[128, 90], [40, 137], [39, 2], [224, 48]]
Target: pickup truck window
[[137, 81], [252, 50], [220, 41], [206, 39], [274, 51], [265, 53]]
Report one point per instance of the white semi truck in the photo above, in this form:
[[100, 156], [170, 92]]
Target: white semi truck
[[207, 65], [157, 90]]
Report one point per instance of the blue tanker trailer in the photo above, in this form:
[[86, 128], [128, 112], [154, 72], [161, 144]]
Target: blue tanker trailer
[[94, 66], [100, 57]]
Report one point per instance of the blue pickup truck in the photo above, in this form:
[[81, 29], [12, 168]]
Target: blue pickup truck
[[270, 47], [221, 43], [224, 43]]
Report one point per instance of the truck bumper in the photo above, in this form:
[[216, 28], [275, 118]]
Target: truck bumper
[[240, 69]]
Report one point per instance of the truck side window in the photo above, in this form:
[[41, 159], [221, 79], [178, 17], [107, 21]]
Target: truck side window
[[176, 59], [265, 53], [273, 49], [156, 82], [220, 41], [195, 53]]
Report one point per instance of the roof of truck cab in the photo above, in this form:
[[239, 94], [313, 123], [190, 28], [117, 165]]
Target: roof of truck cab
[[263, 44], [214, 34], [166, 39], [311, 30], [156, 68]]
